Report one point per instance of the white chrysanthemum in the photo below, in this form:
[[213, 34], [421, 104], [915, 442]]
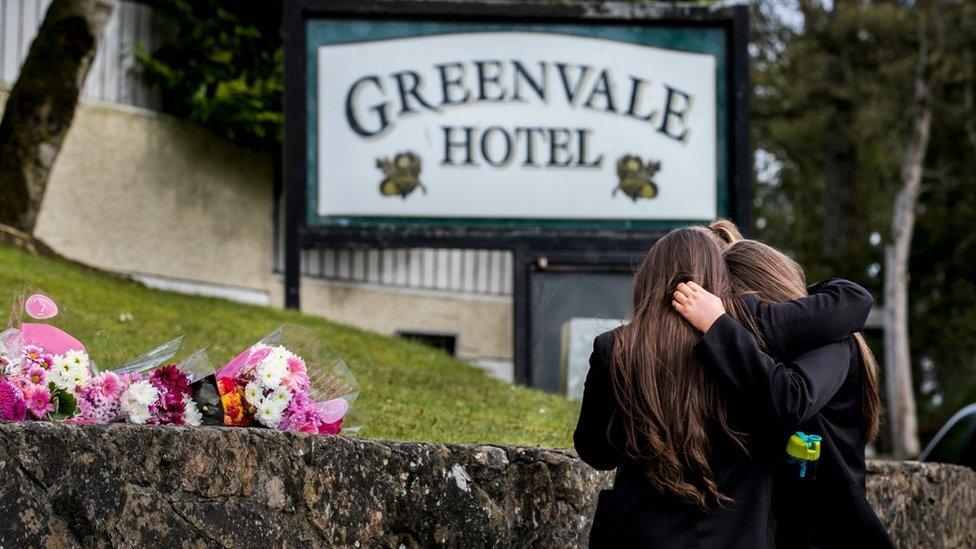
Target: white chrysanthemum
[[141, 392], [59, 381], [253, 393], [275, 403], [62, 373], [79, 373], [269, 413], [280, 354], [78, 358], [138, 414], [271, 372], [281, 396], [137, 399], [191, 415]]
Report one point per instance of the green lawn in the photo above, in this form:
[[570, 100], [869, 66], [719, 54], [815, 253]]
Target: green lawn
[[408, 391]]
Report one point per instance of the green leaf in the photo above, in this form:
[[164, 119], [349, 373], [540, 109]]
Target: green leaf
[[65, 403], [222, 56]]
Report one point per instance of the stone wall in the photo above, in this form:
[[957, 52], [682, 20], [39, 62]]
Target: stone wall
[[122, 485]]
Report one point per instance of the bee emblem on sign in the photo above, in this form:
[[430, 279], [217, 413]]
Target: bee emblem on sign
[[636, 177], [402, 175]]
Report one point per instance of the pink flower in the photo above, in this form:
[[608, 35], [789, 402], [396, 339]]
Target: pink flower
[[36, 375], [110, 384], [38, 400], [170, 377], [100, 399], [12, 405], [173, 386], [297, 377], [35, 356]]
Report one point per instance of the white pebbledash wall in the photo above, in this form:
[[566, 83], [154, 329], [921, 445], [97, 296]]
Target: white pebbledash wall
[[168, 202]]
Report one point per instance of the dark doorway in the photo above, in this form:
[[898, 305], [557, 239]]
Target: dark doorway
[[562, 291]]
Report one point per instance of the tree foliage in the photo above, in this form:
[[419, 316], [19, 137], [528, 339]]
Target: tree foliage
[[220, 64], [837, 79]]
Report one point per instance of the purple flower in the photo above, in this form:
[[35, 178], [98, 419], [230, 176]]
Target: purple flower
[[173, 385], [12, 405], [305, 415], [100, 399], [171, 379]]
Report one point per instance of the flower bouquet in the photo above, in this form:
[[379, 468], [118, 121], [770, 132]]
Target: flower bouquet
[[289, 381], [162, 395], [100, 398], [46, 373], [41, 364]]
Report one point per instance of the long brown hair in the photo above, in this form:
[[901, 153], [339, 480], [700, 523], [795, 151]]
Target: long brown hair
[[770, 274], [668, 403]]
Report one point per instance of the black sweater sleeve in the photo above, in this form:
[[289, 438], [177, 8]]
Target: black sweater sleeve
[[591, 438], [793, 391], [834, 310]]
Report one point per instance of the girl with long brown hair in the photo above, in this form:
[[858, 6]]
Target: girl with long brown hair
[[831, 510], [693, 466]]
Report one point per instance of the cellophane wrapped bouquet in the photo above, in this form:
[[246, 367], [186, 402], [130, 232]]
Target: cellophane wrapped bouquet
[[162, 395], [43, 367], [289, 381], [47, 374]]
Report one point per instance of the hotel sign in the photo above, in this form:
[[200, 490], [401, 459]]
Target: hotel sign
[[514, 124]]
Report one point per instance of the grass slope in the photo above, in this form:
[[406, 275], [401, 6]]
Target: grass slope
[[408, 391]]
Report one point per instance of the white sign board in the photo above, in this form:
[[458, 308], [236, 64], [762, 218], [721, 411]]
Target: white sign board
[[515, 125], [576, 346]]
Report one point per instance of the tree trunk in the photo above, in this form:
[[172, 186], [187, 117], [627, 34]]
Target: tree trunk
[[903, 422], [42, 104]]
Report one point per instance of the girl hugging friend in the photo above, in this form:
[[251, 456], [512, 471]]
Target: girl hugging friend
[[729, 379]]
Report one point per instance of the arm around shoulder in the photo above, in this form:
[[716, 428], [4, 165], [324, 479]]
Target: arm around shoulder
[[792, 391], [834, 310]]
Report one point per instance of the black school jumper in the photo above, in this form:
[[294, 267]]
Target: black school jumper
[[833, 510], [633, 513]]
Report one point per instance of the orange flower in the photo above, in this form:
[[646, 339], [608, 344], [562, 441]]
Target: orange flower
[[234, 408], [225, 385]]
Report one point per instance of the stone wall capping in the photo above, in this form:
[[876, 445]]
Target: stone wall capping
[[127, 485]]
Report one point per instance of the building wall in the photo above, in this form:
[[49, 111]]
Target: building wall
[[144, 193], [483, 324]]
